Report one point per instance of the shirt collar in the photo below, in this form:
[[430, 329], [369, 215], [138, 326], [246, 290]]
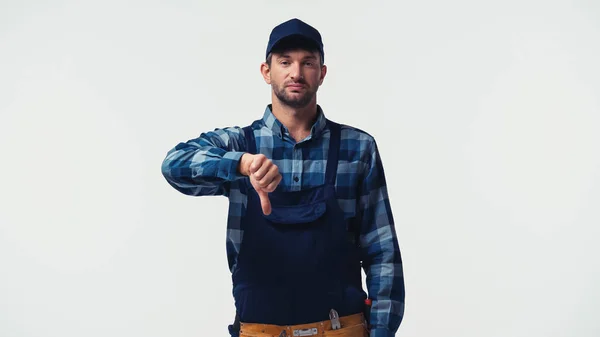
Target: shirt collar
[[279, 129]]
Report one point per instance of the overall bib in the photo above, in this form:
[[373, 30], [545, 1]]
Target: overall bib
[[298, 262]]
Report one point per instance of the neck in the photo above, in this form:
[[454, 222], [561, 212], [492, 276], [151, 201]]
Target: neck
[[298, 121]]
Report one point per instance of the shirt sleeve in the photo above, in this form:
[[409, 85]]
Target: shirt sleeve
[[205, 165], [382, 261]]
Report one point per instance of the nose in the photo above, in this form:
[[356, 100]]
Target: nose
[[296, 71]]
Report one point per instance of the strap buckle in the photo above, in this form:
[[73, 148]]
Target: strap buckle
[[334, 317]]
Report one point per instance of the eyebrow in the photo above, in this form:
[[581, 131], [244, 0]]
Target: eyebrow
[[287, 56]]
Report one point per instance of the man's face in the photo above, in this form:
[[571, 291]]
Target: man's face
[[295, 76]]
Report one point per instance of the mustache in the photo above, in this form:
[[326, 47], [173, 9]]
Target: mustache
[[300, 81]]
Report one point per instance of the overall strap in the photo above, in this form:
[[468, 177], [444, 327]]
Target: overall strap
[[333, 152]]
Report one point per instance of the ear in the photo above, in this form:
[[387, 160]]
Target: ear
[[323, 73], [265, 72]]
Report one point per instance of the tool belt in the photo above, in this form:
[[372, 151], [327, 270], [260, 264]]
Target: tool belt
[[350, 326]]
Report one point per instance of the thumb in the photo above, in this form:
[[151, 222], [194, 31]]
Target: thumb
[[265, 203]]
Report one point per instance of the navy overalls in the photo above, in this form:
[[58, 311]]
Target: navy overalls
[[300, 261]]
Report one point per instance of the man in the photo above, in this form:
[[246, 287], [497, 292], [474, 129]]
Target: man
[[308, 207]]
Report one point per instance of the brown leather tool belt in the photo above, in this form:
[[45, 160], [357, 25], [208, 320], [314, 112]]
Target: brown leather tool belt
[[351, 326]]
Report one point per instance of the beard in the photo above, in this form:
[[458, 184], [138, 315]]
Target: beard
[[293, 101]]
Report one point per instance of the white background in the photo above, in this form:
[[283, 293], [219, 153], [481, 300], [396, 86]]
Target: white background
[[486, 115]]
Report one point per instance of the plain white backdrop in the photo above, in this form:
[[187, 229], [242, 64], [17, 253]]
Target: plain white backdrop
[[486, 115]]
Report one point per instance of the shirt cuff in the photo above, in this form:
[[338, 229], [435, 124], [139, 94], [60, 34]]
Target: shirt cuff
[[228, 166], [381, 332]]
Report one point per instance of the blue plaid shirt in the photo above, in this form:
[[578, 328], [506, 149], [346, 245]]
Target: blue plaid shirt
[[208, 165]]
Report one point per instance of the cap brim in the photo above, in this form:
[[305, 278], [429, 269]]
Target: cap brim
[[300, 38]]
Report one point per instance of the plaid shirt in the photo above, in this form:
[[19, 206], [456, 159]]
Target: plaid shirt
[[208, 165]]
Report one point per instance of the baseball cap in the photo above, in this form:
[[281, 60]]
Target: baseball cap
[[295, 28]]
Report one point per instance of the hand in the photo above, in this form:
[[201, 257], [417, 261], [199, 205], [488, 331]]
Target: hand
[[264, 177]]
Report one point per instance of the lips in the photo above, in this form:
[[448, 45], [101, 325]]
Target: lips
[[295, 86]]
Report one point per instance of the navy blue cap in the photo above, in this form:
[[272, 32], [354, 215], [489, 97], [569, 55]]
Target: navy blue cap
[[295, 28]]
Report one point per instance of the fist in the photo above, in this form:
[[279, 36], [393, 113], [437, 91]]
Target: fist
[[264, 177]]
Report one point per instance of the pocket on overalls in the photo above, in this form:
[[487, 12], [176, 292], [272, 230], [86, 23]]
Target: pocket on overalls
[[358, 330]]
